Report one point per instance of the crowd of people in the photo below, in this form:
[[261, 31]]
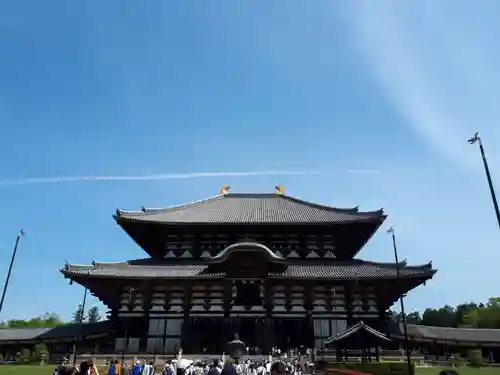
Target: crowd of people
[[236, 367], [189, 367]]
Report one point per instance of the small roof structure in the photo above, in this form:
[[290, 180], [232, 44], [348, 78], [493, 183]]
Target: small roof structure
[[359, 335], [251, 208], [246, 247]]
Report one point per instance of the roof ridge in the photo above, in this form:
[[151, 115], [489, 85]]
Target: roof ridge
[[352, 210], [144, 210], [402, 263], [130, 263]]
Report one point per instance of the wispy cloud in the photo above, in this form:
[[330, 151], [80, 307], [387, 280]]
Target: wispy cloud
[[150, 177], [436, 67], [176, 176]]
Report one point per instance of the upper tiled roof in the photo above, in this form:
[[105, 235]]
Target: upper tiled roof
[[334, 269], [251, 209]]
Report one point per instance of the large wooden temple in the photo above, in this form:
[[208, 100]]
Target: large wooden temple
[[277, 270]]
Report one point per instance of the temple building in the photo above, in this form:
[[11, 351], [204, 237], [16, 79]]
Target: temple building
[[277, 270]]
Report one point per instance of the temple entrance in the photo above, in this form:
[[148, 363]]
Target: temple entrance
[[252, 331], [292, 333], [211, 335], [247, 331]]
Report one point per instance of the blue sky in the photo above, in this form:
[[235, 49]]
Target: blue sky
[[378, 98]]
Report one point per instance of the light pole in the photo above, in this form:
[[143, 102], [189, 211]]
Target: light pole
[[477, 139], [6, 285], [125, 343], [79, 334], [392, 232]]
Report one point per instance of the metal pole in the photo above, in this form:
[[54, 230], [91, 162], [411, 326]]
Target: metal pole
[[80, 327], [125, 344], [401, 302], [477, 139], [6, 285]]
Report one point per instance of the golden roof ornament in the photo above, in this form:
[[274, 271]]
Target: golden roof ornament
[[280, 189], [224, 189]]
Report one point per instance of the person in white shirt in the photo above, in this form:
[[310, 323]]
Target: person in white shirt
[[268, 367]]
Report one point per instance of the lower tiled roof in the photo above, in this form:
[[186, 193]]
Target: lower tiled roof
[[427, 333], [41, 334], [331, 269], [19, 334]]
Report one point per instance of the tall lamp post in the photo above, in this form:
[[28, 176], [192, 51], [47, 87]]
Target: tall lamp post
[[476, 139], [392, 233], [79, 334], [125, 343], [7, 279]]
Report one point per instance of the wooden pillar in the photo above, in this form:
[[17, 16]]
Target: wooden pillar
[[186, 341], [269, 326], [228, 301], [144, 306], [288, 297], [348, 303], [309, 307], [381, 308]]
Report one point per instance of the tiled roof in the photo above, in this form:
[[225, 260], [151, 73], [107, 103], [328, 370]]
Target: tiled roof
[[19, 334], [40, 334], [332, 269], [250, 209], [355, 328], [72, 330], [429, 333]]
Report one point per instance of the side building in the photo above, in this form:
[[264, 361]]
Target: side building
[[277, 270]]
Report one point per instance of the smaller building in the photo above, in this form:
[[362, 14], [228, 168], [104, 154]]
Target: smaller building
[[92, 338], [439, 343]]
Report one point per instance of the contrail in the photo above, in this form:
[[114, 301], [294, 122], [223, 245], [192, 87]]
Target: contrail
[[151, 177], [172, 176]]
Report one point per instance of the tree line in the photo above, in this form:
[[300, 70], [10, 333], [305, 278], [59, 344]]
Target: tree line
[[49, 320], [465, 315]]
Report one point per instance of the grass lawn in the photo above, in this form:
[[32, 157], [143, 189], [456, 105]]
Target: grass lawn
[[35, 370], [462, 370], [26, 370]]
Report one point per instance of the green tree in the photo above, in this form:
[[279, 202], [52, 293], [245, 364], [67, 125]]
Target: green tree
[[93, 315], [24, 355], [475, 357], [442, 317], [78, 315], [40, 353], [413, 318], [45, 320]]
